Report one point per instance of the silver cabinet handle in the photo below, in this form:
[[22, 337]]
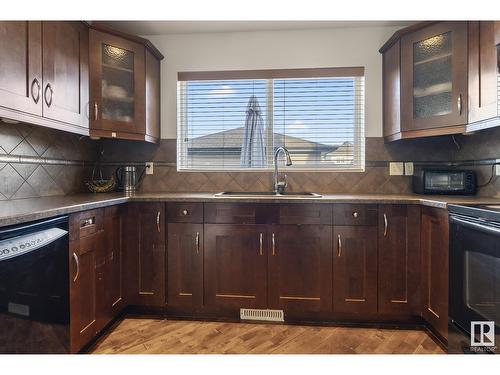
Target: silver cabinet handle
[[386, 225], [260, 243], [96, 111], [36, 97], [185, 212], [273, 240], [459, 104], [75, 257], [339, 248], [197, 242], [158, 221], [355, 214], [48, 101]]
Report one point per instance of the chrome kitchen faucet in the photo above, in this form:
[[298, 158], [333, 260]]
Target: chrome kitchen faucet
[[279, 186]]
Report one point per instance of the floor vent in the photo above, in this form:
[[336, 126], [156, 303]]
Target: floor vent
[[262, 314]]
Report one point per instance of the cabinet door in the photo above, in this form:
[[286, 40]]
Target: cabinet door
[[110, 298], [83, 290], [434, 77], [399, 259], [300, 268], [483, 71], [65, 72], [355, 269], [118, 83], [21, 66], [434, 273], [235, 267], [185, 266], [145, 249]]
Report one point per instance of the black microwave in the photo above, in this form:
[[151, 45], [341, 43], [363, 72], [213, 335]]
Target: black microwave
[[440, 181]]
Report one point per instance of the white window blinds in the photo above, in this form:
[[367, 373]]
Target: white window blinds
[[235, 120]]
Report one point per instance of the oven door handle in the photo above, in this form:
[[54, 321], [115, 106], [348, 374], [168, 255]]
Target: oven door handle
[[476, 226]]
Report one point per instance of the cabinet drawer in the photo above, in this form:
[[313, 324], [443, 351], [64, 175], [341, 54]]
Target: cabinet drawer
[[355, 214], [185, 212], [239, 213], [305, 213], [86, 223], [93, 242]]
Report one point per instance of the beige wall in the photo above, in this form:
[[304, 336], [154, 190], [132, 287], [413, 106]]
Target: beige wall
[[274, 50]]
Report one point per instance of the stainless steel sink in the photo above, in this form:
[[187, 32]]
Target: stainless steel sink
[[267, 194]]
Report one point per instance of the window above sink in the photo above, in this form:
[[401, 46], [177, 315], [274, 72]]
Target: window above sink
[[234, 120]]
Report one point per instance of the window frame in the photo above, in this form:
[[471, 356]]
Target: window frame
[[270, 75]]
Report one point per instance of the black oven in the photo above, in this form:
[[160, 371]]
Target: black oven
[[474, 296], [34, 287]]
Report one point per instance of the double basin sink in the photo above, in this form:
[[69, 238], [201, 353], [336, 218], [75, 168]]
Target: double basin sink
[[266, 194]]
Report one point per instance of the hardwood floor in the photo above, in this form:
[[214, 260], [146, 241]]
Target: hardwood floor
[[156, 336]]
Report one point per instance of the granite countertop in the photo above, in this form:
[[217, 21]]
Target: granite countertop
[[24, 210]]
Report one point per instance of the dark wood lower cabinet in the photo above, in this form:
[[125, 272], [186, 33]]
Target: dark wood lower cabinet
[[434, 271], [83, 288], [391, 266], [145, 253], [399, 259], [355, 269], [110, 299], [235, 267], [300, 268], [185, 267]]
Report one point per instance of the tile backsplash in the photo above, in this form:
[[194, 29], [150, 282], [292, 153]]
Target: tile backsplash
[[375, 179], [64, 161], [35, 161]]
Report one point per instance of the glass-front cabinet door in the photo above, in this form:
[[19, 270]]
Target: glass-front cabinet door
[[433, 76], [118, 81]]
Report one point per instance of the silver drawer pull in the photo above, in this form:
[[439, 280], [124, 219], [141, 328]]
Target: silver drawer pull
[[75, 257], [260, 243], [197, 241], [273, 240]]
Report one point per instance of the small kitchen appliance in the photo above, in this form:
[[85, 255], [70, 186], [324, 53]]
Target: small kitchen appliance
[[127, 179], [444, 181]]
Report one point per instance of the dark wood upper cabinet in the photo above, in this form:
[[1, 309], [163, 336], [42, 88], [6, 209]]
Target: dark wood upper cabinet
[[145, 252], [483, 71], [300, 268], [21, 67], [399, 259], [434, 272], [49, 70], [355, 269], [440, 78], [125, 86], [434, 77], [185, 268], [44, 75], [65, 93], [235, 267]]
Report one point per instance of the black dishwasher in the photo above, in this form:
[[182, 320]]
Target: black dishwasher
[[34, 287]]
